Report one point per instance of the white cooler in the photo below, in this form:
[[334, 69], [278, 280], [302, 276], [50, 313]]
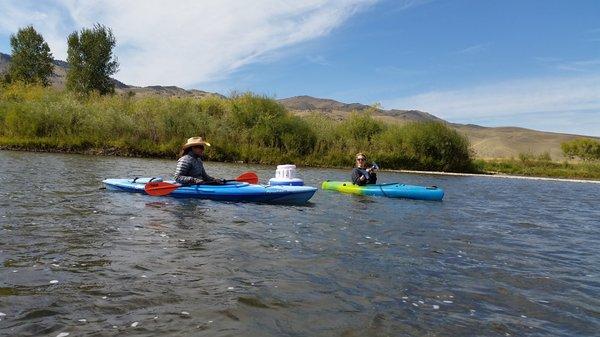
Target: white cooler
[[286, 175]]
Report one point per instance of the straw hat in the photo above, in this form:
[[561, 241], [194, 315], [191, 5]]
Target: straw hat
[[194, 141]]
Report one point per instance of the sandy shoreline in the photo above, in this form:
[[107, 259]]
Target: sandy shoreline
[[496, 176]]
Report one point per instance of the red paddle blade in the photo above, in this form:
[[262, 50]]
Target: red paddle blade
[[159, 188], [248, 177]]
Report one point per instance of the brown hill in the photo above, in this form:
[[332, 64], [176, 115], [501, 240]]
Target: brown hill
[[303, 105], [487, 142], [507, 142], [168, 91], [4, 61]]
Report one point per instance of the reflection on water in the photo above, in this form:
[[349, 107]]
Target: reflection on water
[[496, 257]]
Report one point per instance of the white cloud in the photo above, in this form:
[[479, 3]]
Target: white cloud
[[573, 100], [589, 66], [474, 49], [580, 66], [184, 42], [47, 18]]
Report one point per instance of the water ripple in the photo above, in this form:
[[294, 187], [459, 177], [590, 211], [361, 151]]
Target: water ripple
[[497, 257]]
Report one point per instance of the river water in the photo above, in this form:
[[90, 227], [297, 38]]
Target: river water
[[497, 257]]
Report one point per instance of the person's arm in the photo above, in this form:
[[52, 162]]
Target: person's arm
[[184, 166], [358, 178], [208, 179], [372, 177], [205, 175]]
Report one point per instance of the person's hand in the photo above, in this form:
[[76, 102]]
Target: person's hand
[[217, 181]]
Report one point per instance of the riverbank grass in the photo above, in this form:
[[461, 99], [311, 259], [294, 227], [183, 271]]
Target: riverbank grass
[[244, 127], [542, 168]]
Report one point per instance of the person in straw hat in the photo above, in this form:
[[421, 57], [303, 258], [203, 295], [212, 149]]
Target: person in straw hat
[[190, 169]]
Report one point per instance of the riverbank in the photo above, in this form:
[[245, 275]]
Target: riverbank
[[247, 128], [243, 128], [531, 167], [498, 175]]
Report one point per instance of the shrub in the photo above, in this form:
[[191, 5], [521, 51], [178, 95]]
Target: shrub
[[585, 148]]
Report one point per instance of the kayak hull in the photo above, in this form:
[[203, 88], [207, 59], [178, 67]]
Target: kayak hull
[[393, 190], [231, 191]]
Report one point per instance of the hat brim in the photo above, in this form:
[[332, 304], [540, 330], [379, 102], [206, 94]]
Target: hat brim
[[188, 145]]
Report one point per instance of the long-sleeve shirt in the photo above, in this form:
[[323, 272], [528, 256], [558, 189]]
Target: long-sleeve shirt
[[190, 170], [357, 173]]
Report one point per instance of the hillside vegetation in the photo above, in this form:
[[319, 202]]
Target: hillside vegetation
[[486, 142], [490, 143], [245, 127]]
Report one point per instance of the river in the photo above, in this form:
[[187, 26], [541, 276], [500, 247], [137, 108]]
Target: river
[[497, 257]]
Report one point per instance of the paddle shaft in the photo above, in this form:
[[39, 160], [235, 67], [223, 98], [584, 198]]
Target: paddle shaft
[[164, 188]]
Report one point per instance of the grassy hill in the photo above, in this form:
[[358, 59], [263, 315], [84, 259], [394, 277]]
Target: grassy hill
[[487, 142]]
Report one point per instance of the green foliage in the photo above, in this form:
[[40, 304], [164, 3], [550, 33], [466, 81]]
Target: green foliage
[[31, 61], [436, 146], [527, 158], [584, 148], [536, 167], [91, 60], [245, 127], [262, 122], [361, 127], [423, 146]]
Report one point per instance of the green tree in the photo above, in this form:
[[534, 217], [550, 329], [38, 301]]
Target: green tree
[[584, 148], [91, 60], [31, 61]]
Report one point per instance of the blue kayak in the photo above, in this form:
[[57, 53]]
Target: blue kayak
[[231, 191], [393, 190]]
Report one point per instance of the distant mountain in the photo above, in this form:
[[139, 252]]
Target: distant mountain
[[507, 142], [487, 142], [303, 105], [168, 91], [58, 80], [58, 77], [4, 61], [309, 103]]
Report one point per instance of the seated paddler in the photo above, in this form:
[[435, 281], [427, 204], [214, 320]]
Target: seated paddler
[[363, 174], [190, 169]]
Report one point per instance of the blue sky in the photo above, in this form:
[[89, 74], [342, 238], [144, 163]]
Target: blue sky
[[533, 64]]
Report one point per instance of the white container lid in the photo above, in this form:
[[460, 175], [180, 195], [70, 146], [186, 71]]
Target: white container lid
[[285, 171]]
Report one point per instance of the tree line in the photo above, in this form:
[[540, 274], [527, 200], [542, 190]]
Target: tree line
[[242, 127], [89, 55]]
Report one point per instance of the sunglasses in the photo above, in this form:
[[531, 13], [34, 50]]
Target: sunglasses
[[360, 159], [201, 147]]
